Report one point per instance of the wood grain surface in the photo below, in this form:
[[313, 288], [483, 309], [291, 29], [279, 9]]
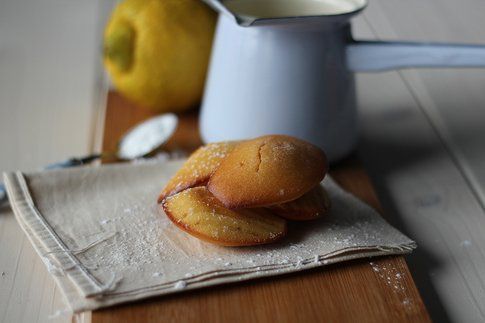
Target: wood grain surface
[[46, 97], [422, 144], [377, 290]]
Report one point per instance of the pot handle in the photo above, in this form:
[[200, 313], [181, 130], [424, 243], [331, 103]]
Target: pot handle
[[369, 56]]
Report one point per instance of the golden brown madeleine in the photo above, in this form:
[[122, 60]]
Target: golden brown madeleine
[[266, 171], [199, 213], [311, 205], [198, 168]]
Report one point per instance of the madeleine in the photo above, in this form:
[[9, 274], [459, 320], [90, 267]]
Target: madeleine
[[266, 171], [199, 213], [309, 206], [198, 168]]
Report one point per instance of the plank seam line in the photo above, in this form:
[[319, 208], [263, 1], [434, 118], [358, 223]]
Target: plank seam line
[[446, 141], [443, 136]]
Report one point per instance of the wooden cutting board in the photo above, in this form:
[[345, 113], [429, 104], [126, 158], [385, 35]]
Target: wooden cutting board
[[367, 290]]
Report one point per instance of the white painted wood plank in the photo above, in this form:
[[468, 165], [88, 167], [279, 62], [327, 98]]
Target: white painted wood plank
[[51, 95], [411, 135], [27, 292], [48, 52], [453, 98], [425, 192]]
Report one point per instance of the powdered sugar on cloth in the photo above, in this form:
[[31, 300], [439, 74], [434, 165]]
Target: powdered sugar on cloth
[[103, 237]]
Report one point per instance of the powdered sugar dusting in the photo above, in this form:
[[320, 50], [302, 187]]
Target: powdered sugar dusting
[[181, 284], [466, 243], [152, 253], [137, 244], [393, 278], [206, 159]]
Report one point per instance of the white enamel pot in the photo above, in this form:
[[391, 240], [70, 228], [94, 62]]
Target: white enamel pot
[[295, 76]]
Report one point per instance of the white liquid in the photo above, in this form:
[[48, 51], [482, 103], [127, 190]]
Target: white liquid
[[292, 8]]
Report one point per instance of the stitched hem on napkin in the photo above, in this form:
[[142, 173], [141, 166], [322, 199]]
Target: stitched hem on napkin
[[85, 291]]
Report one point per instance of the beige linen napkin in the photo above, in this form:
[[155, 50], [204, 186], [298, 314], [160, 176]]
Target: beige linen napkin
[[102, 236]]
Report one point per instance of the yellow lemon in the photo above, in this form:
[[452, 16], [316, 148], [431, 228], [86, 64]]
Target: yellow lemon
[[157, 51]]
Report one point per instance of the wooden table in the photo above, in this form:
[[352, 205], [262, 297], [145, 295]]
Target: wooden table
[[421, 138], [349, 292]]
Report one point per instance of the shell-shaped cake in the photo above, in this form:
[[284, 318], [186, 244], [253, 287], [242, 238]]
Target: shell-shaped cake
[[197, 170], [309, 206], [199, 213], [266, 171]]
